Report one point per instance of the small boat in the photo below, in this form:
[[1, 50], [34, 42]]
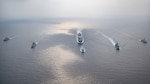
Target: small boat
[[34, 44], [117, 46], [82, 49], [143, 40], [79, 37], [6, 39]]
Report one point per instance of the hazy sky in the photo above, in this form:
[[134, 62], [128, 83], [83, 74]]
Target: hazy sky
[[73, 8]]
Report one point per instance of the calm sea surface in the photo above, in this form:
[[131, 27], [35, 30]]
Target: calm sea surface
[[57, 58]]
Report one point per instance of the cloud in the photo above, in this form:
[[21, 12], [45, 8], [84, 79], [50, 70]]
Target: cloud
[[73, 8]]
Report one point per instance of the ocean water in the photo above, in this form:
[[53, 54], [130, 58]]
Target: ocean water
[[57, 58]]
